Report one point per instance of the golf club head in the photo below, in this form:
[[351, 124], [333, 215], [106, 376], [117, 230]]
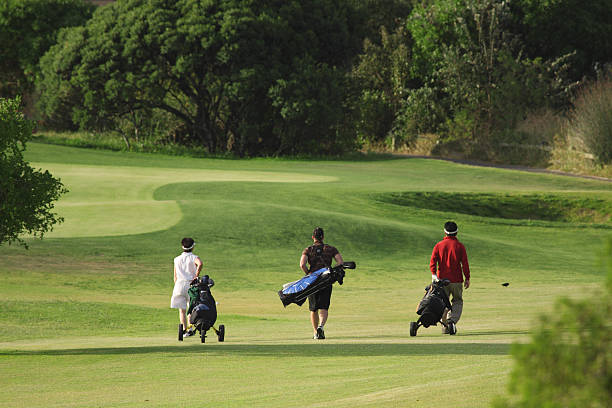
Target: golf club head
[[349, 265]]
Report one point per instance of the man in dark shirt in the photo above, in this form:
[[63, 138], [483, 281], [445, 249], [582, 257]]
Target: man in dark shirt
[[317, 256], [449, 261]]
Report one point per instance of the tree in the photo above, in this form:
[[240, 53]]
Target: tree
[[568, 362], [27, 195], [383, 73], [374, 14], [59, 95], [311, 118], [467, 52], [211, 65], [555, 28], [27, 29]]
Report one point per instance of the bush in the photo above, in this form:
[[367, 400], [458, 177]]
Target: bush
[[590, 128]]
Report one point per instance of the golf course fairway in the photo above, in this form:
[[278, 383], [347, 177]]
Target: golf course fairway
[[85, 318]]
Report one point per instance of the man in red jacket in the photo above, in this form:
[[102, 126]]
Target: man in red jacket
[[449, 261]]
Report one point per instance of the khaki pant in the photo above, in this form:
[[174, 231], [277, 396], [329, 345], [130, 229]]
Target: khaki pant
[[454, 291]]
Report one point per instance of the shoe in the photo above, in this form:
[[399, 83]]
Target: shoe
[[188, 333], [320, 333], [446, 327]]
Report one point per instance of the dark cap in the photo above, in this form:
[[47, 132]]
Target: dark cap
[[187, 244], [450, 228]]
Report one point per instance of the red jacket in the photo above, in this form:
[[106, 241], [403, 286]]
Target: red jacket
[[449, 260]]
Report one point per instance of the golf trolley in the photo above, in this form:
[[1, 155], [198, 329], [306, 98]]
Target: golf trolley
[[431, 308], [202, 309]]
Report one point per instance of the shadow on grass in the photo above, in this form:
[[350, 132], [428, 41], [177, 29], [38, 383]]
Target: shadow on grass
[[284, 350], [501, 332]]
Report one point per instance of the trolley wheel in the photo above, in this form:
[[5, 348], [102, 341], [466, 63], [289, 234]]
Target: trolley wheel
[[221, 332], [180, 332], [452, 329], [413, 328], [203, 336]]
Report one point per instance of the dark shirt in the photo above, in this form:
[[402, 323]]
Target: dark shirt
[[319, 255]]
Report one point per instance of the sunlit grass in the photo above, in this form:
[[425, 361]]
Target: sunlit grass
[[85, 315]]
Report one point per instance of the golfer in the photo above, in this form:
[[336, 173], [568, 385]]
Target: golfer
[[449, 261], [187, 267], [317, 256]]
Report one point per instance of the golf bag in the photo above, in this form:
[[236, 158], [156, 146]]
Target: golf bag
[[203, 308], [297, 292], [432, 306]]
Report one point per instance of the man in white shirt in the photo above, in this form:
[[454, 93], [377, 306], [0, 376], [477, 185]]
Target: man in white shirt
[[187, 267]]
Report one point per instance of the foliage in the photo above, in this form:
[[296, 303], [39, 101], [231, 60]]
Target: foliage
[[375, 14], [269, 77], [590, 123], [27, 29], [310, 117], [26, 194], [485, 85], [568, 362], [56, 82], [383, 73], [554, 28], [210, 65]]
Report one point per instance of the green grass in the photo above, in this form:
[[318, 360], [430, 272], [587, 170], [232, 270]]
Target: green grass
[[548, 207], [85, 318]]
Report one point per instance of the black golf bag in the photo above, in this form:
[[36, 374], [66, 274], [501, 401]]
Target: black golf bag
[[432, 307], [203, 308], [298, 291]]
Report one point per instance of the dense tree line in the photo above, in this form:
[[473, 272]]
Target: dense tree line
[[27, 29], [272, 77]]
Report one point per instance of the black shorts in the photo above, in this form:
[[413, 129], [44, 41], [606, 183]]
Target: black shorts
[[320, 300]]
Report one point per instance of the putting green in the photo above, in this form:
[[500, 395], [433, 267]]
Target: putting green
[[118, 200]]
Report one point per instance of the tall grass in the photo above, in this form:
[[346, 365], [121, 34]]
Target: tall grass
[[590, 124], [116, 142]]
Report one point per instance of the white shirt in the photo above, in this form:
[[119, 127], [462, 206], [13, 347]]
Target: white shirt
[[185, 266]]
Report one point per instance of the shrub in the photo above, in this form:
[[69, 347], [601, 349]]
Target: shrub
[[590, 127]]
